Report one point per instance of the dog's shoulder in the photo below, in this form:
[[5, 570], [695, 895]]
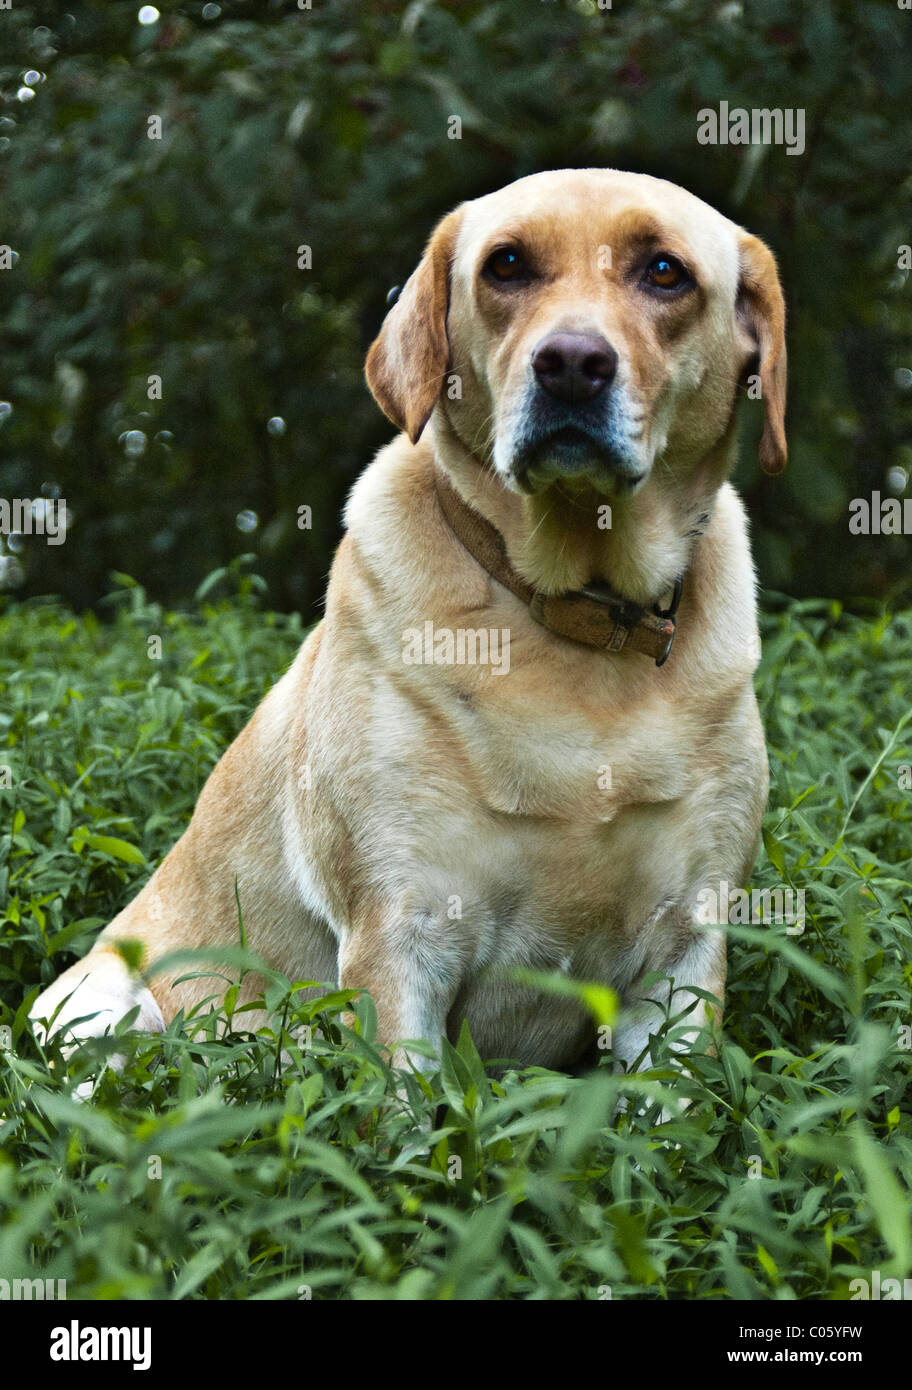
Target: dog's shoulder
[[720, 606]]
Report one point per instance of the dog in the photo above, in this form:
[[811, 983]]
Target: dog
[[524, 734]]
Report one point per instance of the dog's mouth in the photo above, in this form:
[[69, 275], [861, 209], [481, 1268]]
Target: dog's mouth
[[575, 452]]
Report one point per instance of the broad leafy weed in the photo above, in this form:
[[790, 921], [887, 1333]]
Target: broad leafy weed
[[212, 1168]]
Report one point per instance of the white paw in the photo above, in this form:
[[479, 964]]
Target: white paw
[[89, 999]]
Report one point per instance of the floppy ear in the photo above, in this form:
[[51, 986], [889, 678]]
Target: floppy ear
[[761, 314], [407, 362]]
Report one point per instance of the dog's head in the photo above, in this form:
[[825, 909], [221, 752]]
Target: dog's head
[[578, 325]]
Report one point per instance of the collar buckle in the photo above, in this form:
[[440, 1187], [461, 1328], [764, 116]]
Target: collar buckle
[[672, 608], [669, 614]]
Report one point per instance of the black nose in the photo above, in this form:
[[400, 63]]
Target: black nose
[[574, 366]]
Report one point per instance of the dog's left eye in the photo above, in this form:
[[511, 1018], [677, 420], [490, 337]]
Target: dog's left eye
[[666, 273], [506, 265]]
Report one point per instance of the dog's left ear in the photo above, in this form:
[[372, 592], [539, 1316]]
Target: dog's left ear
[[761, 315], [406, 364]]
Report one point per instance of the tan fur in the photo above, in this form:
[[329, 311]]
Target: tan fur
[[417, 830]]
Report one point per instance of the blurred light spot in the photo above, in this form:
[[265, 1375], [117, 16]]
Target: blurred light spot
[[247, 520], [276, 425], [164, 437], [32, 78], [897, 477], [42, 32], [5, 410], [393, 294], [50, 489], [148, 15], [15, 542], [11, 572], [298, 119], [903, 378], [612, 122], [25, 94], [134, 443], [211, 11]]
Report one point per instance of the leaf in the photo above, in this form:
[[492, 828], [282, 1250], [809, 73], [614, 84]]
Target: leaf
[[115, 848], [61, 940], [467, 1051], [454, 1076], [774, 852], [888, 1200], [601, 1001]]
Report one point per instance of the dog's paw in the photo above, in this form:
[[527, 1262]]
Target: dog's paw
[[87, 1001]]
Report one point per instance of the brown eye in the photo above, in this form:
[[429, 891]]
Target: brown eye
[[506, 265], [666, 273]]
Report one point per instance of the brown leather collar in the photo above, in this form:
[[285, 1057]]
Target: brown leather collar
[[594, 615]]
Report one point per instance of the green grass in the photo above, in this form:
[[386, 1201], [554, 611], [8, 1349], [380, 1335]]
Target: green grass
[[207, 1170]]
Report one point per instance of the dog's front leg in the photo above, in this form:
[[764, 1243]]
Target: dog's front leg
[[701, 963], [412, 967], [413, 982]]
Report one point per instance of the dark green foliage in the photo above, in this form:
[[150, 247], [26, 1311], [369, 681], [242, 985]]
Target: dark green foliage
[[328, 127], [313, 1175]]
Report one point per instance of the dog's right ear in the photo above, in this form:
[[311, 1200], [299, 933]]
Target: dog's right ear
[[407, 362], [761, 316]]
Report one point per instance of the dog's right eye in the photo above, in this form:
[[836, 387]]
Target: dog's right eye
[[506, 266], [666, 273]]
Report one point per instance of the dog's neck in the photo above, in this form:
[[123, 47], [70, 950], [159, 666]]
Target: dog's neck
[[559, 540]]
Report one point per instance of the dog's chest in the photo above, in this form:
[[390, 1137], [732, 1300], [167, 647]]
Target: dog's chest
[[567, 761], [536, 818]]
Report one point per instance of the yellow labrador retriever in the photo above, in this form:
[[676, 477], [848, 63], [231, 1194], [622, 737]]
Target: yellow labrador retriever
[[525, 732]]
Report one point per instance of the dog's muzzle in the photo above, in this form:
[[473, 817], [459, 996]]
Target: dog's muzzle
[[573, 423]]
